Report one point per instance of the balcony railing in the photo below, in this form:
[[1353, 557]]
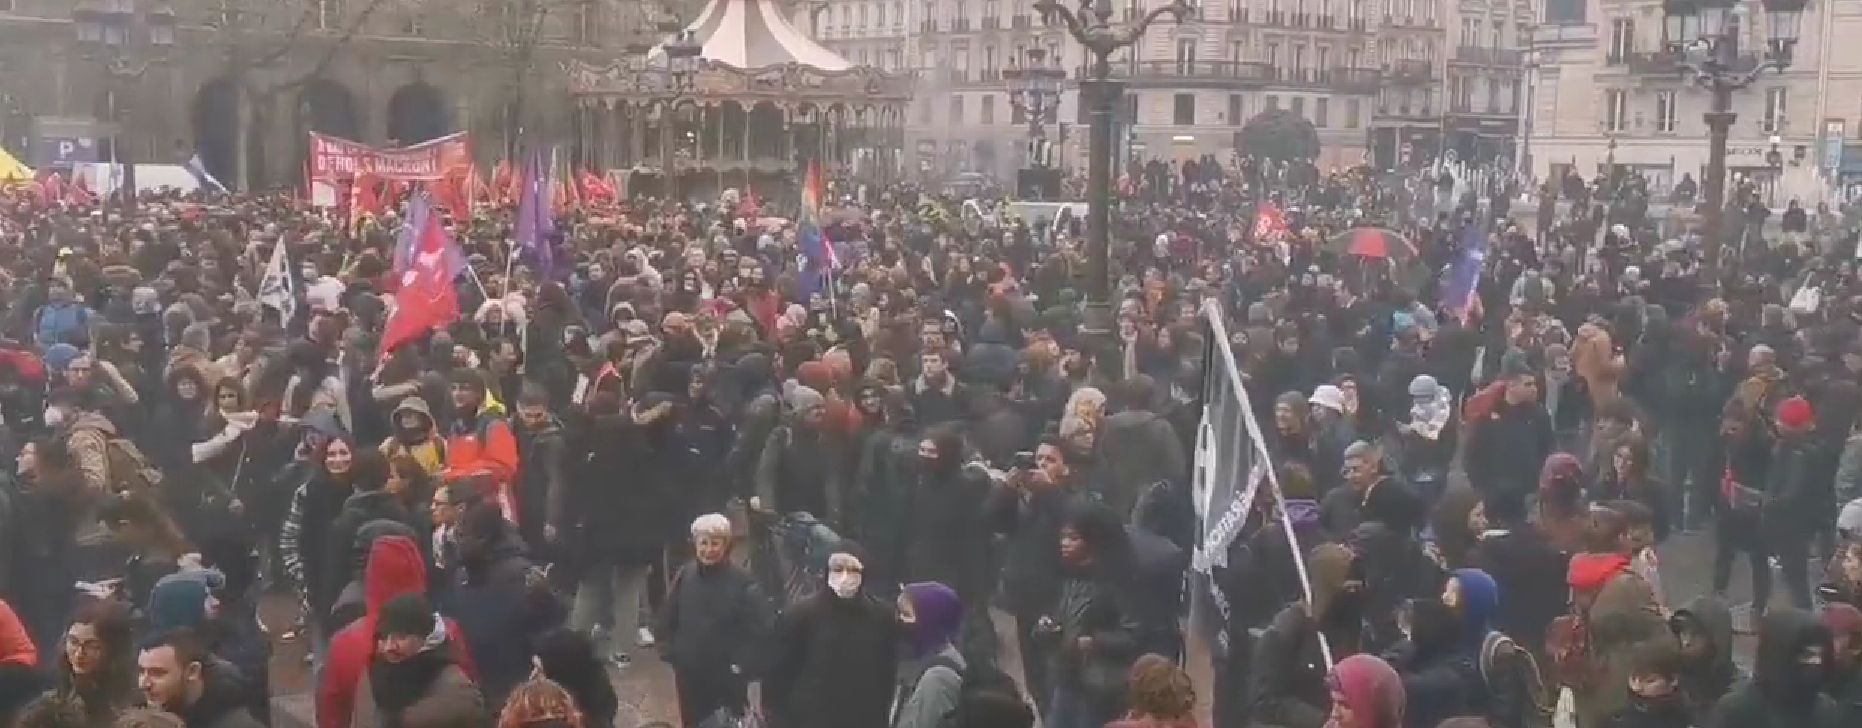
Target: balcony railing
[[1410, 72], [1355, 80], [1021, 22], [1489, 56], [1277, 17], [991, 23], [1240, 71], [1658, 63]]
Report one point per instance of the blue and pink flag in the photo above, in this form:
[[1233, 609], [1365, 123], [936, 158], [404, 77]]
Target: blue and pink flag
[[1460, 286]]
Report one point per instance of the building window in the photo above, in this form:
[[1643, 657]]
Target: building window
[[989, 110], [1237, 50], [1616, 110], [1234, 110], [1622, 41], [1773, 121], [956, 111], [1273, 102], [1299, 106], [924, 112], [1183, 110], [1352, 112], [1322, 112], [1665, 111], [1470, 32], [1186, 56]]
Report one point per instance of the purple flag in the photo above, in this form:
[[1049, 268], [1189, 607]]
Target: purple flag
[[535, 224]]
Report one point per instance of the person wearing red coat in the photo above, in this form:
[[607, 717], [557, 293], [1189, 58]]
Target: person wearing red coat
[[395, 567]]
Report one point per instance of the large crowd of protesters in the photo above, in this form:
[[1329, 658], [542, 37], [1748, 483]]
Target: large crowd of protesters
[[673, 435]]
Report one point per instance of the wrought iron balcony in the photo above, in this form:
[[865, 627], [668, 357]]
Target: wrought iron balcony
[[1355, 80], [1192, 72], [1410, 73]]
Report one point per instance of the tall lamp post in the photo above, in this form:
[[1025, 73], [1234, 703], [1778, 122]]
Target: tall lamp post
[[125, 42], [1706, 33], [1092, 27], [682, 52], [1034, 90]]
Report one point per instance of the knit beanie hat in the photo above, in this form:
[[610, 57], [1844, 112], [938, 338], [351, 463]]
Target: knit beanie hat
[[403, 615], [1796, 413]]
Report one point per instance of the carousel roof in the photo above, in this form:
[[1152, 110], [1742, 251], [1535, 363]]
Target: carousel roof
[[752, 34]]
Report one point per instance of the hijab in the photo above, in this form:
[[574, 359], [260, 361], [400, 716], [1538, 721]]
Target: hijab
[[1371, 689]]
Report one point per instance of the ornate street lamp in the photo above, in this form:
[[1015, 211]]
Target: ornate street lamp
[[1706, 33], [125, 43], [1092, 27], [1034, 89], [681, 77]]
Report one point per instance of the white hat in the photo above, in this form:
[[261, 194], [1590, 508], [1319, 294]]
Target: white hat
[[1849, 521], [1329, 397]]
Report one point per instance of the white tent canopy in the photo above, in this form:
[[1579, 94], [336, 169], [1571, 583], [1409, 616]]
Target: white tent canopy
[[753, 34]]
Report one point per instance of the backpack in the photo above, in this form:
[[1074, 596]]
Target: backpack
[[982, 683], [1491, 646], [129, 470], [1567, 641]]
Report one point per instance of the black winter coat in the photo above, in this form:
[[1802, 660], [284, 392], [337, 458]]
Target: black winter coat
[[833, 663]]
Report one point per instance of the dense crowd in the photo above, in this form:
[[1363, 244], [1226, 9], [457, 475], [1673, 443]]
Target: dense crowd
[[802, 459]]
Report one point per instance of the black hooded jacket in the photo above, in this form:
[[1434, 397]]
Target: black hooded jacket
[[1704, 682], [222, 703], [1783, 693]]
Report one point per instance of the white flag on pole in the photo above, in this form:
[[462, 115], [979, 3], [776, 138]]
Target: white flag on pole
[[275, 289]]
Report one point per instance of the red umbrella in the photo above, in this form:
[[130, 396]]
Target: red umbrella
[[1373, 242]]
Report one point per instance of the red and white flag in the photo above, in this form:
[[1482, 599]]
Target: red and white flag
[[425, 299]]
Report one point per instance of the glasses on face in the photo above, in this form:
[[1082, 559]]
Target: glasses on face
[[87, 646]]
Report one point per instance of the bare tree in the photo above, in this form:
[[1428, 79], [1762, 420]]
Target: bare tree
[[305, 36], [523, 38]]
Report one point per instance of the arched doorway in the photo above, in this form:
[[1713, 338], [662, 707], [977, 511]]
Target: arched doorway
[[417, 113], [327, 107], [215, 122]]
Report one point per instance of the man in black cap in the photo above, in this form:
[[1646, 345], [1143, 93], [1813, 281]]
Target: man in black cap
[[414, 667]]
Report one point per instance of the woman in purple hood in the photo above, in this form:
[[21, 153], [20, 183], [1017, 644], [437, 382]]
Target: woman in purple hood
[[933, 674]]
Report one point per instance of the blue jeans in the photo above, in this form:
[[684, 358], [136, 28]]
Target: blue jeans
[[1072, 707]]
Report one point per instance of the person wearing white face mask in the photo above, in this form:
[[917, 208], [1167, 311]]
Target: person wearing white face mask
[[836, 653]]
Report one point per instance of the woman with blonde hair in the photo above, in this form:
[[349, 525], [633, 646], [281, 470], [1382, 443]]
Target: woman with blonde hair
[[539, 701], [1161, 695]]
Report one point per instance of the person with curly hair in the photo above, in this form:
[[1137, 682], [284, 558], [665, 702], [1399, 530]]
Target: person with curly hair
[[148, 718], [538, 703], [1161, 695]]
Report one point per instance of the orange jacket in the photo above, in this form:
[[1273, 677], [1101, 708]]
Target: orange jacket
[[489, 450], [15, 644]]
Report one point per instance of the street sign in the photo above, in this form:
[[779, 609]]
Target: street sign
[[65, 150]]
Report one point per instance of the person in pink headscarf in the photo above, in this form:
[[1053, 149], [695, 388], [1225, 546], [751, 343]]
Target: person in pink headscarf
[[1366, 693]]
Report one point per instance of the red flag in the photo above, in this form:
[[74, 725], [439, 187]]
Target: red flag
[[78, 192], [425, 299], [52, 189], [1269, 224], [503, 179]]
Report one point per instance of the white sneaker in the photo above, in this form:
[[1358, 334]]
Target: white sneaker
[[644, 638]]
